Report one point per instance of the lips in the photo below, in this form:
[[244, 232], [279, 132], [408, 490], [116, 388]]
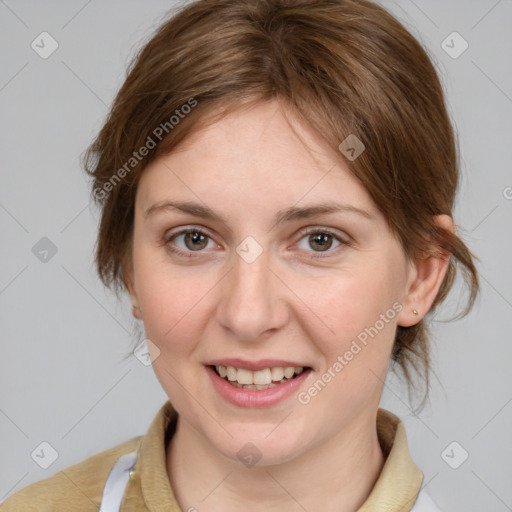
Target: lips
[[254, 395]]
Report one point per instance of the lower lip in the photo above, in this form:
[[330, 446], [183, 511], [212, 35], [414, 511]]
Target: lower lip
[[255, 398]]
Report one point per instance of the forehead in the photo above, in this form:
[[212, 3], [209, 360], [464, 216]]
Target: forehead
[[253, 156]]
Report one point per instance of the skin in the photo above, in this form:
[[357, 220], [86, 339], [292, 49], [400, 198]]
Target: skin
[[287, 304]]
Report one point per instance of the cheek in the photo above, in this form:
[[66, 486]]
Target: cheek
[[350, 309], [362, 313], [173, 301]]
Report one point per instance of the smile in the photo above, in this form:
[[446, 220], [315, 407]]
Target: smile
[[256, 384]]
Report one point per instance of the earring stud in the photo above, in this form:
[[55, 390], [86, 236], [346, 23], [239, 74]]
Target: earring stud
[[415, 312]]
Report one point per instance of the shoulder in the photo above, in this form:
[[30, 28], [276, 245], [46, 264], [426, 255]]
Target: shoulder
[[424, 503], [78, 487]]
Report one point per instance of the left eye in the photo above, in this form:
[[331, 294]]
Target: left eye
[[321, 241]]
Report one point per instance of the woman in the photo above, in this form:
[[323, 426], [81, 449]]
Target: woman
[[277, 179]]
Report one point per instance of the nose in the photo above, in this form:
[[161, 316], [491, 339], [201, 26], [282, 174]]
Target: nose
[[253, 302]]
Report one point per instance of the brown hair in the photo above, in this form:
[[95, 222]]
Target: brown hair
[[343, 66]]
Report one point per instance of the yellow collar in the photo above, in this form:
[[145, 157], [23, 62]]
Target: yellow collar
[[396, 488]]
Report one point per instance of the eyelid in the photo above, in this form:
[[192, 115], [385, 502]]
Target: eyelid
[[187, 229], [320, 229]]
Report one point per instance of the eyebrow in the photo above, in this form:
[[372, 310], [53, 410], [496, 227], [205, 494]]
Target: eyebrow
[[287, 215]]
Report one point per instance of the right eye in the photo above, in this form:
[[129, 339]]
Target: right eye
[[192, 240]]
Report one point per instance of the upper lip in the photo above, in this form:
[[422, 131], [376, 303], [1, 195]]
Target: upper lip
[[254, 365]]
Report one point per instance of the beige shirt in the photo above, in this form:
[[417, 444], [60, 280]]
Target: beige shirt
[[79, 488]]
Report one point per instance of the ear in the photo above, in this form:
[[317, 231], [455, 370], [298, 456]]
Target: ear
[[425, 279], [128, 276]]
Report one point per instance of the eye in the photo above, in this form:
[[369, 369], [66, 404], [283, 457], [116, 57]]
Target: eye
[[321, 240], [193, 240]]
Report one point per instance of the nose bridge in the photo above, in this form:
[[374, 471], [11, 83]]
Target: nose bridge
[[251, 303]]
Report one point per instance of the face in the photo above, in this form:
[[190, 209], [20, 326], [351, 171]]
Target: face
[[251, 274]]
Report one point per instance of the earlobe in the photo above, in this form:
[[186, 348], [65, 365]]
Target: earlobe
[[136, 312], [426, 280], [409, 315], [128, 280]]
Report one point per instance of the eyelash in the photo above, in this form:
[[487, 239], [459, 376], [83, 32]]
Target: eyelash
[[315, 254]]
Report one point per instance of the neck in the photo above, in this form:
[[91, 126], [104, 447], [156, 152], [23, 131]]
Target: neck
[[336, 476]]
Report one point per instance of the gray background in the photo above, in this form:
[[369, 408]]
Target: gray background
[[62, 378]]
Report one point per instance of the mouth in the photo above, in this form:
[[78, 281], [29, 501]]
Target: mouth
[[263, 379]]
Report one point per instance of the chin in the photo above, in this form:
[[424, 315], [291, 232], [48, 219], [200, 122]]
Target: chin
[[255, 450]]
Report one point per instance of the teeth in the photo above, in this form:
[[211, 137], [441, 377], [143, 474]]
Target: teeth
[[260, 379], [244, 376], [255, 386], [231, 373], [261, 376], [277, 373], [289, 372]]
